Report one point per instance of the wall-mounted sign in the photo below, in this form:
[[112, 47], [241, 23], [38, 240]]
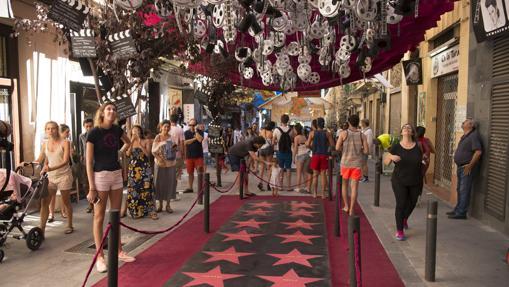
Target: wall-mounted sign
[[122, 45], [413, 71], [445, 62], [70, 13], [83, 44], [489, 18], [188, 112]]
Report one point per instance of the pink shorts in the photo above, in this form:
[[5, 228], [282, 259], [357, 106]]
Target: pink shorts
[[108, 180]]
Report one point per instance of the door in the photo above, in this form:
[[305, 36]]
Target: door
[[445, 139], [395, 115]]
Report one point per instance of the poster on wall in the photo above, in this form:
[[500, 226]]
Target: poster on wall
[[490, 18], [413, 72], [445, 62], [188, 112], [421, 109]]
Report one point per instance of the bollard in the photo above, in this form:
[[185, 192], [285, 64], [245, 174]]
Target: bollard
[[218, 172], [200, 188], [431, 241], [331, 180], [242, 178], [337, 222], [378, 174], [206, 202], [354, 251], [113, 241]]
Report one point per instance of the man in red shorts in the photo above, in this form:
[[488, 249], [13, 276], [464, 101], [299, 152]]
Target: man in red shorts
[[194, 152], [320, 141], [353, 145]]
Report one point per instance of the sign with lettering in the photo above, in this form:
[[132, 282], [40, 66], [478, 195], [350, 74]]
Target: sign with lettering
[[122, 45], [83, 44], [70, 13], [445, 62], [123, 103]]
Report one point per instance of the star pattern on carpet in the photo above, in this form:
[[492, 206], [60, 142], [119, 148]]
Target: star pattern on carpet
[[242, 235], [290, 279], [230, 255], [294, 256], [257, 211], [301, 204], [214, 277], [297, 237], [262, 204], [301, 212], [250, 223], [300, 224]]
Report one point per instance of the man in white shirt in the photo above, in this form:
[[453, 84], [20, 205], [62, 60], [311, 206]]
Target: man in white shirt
[[368, 132], [282, 139], [205, 145], [177, 136], [237, 135]]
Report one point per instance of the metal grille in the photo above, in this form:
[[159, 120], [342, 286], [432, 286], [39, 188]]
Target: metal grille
[[447, 92], [496, 191]]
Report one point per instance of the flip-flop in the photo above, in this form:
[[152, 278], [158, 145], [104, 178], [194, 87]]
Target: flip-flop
[[69, 230]]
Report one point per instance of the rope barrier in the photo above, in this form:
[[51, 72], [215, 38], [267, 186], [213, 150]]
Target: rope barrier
[[103, 240], [281, 186], [213, 185]]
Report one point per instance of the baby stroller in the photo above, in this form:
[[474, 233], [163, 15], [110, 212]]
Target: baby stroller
[[14, 203]]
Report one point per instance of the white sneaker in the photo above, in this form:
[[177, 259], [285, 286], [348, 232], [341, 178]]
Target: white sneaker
[[100, 265]]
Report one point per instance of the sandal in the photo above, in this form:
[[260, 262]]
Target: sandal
[[64, 215], [168, 209], [154, 216], [122, 256], [69, 230], [51, 219]]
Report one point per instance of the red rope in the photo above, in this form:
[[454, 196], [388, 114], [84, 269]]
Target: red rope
[[281, 186], [213, 185], [103, 240], [357, 259], [169, 228]]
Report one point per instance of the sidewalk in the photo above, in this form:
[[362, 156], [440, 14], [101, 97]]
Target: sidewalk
[[468, 252]]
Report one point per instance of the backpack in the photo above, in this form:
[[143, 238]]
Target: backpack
[[285, 141], [170, 150]]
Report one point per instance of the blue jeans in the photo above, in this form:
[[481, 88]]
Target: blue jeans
[[463, 190]]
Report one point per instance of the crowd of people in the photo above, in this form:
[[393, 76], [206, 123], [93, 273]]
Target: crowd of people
[[151, 168]]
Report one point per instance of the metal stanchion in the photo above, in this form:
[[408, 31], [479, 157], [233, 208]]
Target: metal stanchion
[[200, 188], [378, 173], [242, 178], [354, 251], [206, 201], [431, 241], [218, 172], [113, 241], [337, 222], [331, 167]]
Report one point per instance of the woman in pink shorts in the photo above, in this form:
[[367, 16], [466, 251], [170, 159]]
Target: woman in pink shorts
[[105, 173]]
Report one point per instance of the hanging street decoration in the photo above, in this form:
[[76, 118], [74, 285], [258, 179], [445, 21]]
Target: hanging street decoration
[[122, 45], [83, 44], [70, 13]]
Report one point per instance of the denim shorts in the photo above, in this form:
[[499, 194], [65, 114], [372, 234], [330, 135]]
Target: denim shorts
[[234, 162], [285, 160]]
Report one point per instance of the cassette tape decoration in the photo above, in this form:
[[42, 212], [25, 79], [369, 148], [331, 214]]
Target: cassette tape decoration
[[83, 44], [122, 45], [70, 13], [123, 103]]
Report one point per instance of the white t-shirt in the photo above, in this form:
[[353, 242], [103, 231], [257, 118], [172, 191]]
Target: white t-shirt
[[368, 132], [274, 176], [277, 134], [177, 136], [237, 136], [205, 142]]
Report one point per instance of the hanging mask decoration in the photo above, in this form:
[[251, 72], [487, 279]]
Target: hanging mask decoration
[[370, 35]]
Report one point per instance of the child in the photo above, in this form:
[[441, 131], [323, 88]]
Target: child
[[275, 176]]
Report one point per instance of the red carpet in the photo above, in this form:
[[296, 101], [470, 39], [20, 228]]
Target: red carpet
[[156, 265]]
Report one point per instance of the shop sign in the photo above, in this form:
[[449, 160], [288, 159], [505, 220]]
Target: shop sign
[[445, 62], [489, 18]]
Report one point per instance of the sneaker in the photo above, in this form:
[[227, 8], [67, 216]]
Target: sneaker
[[400, 235], [122, 256], [100, 265], [364, 179], [188, 190], [260, 187], [451, 212], [405, 223]]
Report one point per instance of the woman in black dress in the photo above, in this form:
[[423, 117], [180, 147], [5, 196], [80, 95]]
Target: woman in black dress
[[406, 179]]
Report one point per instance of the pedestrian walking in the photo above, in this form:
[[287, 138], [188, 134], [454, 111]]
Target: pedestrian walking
[[353, 145], [320, 141], [467, 156], [406, 178], [88, 124], [266, 152], [55, 158], [308, 169], [164, 150], [301, 157], [205, 146], [237, 135], [427, 148], [105, 180], [194, 152], [140, 191], [240, 151], [368, 133], [177, 136], [282, 139], [275, 176]]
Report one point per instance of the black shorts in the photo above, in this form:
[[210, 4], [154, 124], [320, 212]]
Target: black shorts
[[234, 162]]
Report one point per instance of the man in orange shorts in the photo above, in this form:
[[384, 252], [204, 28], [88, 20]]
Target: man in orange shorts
[[194, 152], [353, 145]]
